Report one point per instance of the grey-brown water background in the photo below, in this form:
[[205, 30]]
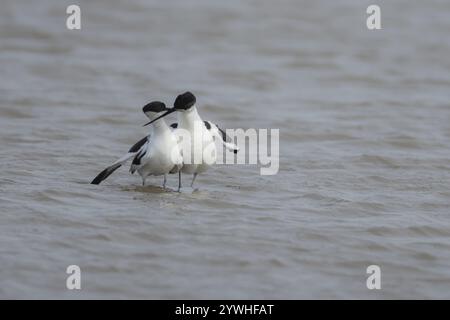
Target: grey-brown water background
[[364, 125]]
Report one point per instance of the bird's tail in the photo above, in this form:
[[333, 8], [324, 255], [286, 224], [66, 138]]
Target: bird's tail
[[226, 141], [108, 171], [231, 146], [222, 137]]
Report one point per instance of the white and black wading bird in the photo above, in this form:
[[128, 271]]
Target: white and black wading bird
[[157, 154], [188, 119]]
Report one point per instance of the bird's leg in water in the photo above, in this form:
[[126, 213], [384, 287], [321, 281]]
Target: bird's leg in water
[[165, 180], [193, 179], [179, 181], [143, 181]]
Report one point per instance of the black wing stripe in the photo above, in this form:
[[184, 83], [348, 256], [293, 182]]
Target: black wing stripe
[[138, 157], [105, 174], [224, 135], [138, 145], [225, 138]]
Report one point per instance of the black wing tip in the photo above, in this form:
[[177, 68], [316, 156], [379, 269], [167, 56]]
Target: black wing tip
[[105, 174], [100, 177]]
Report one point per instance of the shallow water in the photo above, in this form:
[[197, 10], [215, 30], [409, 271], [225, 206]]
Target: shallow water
[[364, 149]]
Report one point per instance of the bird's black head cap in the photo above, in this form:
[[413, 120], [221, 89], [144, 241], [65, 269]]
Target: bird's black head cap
[[184, 101], [154, 106]]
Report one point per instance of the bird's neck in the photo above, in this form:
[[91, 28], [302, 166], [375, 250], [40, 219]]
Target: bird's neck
[[160, 125], [189, 116]]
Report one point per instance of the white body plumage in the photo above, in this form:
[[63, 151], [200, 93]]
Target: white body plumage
[[203, 151]]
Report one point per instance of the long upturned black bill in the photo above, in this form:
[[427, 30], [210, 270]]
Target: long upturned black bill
[[169, 111]]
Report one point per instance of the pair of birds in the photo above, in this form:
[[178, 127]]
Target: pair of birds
[[161, 152]]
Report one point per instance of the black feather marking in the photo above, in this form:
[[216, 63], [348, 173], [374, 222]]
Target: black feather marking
[[137, 158], [138, 145], [226, 138], [105, 173], [154, 106], [224, 135], [184, 101], [174, 125], [207, 124]]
